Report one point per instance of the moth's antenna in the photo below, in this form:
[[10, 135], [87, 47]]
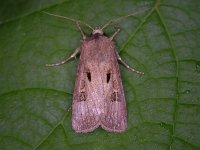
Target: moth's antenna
[[71, 19], [133, 14], [120, 18]]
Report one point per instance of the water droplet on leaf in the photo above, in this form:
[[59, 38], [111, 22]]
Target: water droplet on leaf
[[187, 92]]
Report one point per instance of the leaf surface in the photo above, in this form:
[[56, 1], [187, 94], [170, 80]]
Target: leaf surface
[[163, 105]]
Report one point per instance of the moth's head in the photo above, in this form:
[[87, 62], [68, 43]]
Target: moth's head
[[97, 31]]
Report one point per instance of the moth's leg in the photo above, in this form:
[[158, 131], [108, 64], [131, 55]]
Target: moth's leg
[[127, 66], [66, 60], [114, 34], [69, 109], [83, 35]]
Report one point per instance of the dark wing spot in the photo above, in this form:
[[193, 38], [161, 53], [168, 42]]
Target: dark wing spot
[[82, 96], [108, 77], [115, 97], [89, 76]]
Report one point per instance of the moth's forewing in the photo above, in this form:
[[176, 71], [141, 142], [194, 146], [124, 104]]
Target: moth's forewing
[[114, 118], [85, 117], [98, 95]]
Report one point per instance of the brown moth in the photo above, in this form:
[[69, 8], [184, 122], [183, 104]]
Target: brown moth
[[98, 98]]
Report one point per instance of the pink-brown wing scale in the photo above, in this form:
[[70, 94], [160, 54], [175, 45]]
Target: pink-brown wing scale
[[114, 118], [85, 117], [98, 96]]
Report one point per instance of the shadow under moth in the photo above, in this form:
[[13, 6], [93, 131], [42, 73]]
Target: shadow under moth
[[98, 98]]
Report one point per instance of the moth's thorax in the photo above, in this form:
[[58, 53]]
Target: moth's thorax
[[97, 35]]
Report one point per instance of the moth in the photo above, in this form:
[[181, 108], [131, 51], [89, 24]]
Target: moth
[[98, 99]]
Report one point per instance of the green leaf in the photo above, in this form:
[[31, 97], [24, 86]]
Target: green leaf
[[163, 105]]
